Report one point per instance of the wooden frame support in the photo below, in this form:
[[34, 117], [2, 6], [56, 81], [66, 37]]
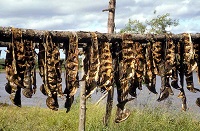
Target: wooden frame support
[[83, 36]]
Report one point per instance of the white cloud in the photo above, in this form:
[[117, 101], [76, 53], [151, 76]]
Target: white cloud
[[87, 14]]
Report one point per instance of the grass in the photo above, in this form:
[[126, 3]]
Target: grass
[[145, 119]]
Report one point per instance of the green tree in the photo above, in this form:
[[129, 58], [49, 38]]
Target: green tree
[[134, 26], [156, 25]]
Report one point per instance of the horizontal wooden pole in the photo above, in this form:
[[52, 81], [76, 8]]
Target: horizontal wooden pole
[[6, 44], [83, 36]]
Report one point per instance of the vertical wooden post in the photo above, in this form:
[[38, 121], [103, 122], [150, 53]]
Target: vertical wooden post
[[111, 16], [111, 27], [82, 109]]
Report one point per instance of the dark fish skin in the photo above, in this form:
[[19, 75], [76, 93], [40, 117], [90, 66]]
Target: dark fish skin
[[117, 58], [52, 102], [124, 74], [15, 97], [71, 74], [157, 56], [170, 58], [29, 80], [94, 65], [190, 82], [189, 60], [149, 75], [165, 90], [11, 68], [132, 88], [19, 63], [160, 68], [68, 103], [152, 85], [168, 68], [139, 62], [180, 66], [106, 66], [50, 71], [163, 95], [127, 68], [189, 52], [197, 58], [170, 62], [122, 115], [198, 102], [174, 74], [198, 63], [86, 64], [128, 57]]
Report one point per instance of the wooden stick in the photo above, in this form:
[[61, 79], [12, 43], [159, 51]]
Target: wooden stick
[[104, 96], [111, 27], [84, 36], [82, 109]]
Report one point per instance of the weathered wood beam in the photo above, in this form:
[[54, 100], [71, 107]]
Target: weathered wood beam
[[6, 44], [84, 37]]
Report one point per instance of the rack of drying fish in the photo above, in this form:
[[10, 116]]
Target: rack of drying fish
[[122, 60]]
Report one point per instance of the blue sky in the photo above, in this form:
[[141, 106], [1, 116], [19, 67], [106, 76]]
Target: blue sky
[[87, 15]]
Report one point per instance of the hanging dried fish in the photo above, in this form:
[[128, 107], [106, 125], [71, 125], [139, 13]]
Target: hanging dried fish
[[189, 62], [14, 81], [86, 65], [157, 56], [198, 101], [128, 66], [41, 66], [124, 84], [180, 68], [71, 67], [11, 73], [169, 61], [19, 64], [29, 78], [163, 60], [139, 66], [170, 55], [197, 58], [158, 66], [128, 57], [122, 113], [127, 76], [176, 66], [94, 65], [122, 88], [106, 69], [50, 71], [149, 75]]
